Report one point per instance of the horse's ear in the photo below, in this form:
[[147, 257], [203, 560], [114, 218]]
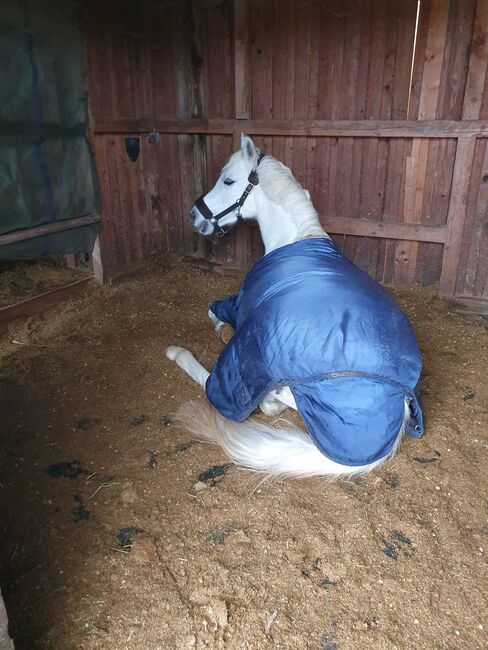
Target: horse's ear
[[307, 193], [248, 148]]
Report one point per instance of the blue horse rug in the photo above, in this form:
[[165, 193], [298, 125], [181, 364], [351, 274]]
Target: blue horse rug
[[308, 318]]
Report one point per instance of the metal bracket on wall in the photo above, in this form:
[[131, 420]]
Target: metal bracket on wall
[[153, 137]]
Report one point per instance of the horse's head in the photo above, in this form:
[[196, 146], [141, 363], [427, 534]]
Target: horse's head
[[232, 198]]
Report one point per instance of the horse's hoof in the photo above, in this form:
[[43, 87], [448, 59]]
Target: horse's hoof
[[225, 333], [173, 351]]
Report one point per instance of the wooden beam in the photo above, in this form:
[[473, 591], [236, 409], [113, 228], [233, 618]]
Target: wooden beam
[[385, 230], [470, 305], [312, 128], [456, 215], [47, 229], [35, 304], [242, 72]]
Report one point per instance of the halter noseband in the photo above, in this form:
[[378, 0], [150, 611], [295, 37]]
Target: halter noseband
[[214, 219]]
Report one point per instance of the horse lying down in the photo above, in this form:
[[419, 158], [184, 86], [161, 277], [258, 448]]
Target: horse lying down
[[312, 332]]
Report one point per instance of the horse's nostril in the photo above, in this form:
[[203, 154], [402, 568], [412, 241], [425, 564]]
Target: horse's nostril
[[192, 216]]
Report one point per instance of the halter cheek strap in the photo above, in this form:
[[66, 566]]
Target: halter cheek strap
[[214, 219]]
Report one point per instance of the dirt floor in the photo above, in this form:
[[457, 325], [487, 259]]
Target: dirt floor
[[119, 532], [22, 280]]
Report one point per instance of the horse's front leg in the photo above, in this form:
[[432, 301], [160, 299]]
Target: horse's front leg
[[223, 330], [187, 362]]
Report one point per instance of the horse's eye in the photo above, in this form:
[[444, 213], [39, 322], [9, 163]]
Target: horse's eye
[[228, 181]]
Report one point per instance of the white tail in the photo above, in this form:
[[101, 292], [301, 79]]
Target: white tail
[[267, 449]]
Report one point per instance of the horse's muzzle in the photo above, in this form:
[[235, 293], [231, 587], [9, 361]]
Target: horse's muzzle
[[199, 223]]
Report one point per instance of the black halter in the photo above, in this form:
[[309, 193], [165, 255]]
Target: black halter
[[214, 219]]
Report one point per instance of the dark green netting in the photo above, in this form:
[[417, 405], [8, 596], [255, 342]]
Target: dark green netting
[[46, 167]]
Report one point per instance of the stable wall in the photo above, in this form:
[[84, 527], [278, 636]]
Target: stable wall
[[389, 139]]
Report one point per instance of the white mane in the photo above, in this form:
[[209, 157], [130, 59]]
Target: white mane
[[281, 187]]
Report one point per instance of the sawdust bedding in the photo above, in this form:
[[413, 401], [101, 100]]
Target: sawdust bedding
[[118, 531]]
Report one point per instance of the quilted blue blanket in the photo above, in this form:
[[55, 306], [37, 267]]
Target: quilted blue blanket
[[308, 318]]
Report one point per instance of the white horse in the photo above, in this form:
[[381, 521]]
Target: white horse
[[252, 186]]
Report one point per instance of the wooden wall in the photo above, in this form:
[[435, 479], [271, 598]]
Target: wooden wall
[[391, 144]]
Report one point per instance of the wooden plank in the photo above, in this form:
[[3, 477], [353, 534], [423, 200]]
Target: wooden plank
[[415, 178], [416, 164], [283, 35], [473, 226], [476, 89], [120, 162], [313, 65], [261, 60], [302, 56], [456, 59], [367, 257], [109, 200], [457, 215], [384, 229], [434, 57], [218, 60], [326, 55], [470, 305], [182, 156], [481, 232], [349, 65], [301, 64], [133, 214], [48, 229], [406, 13], [157, 236], [220, 148], [478, 64], [435, 207], [242, 75], [313, 128], [321, 190], [35, 304], [242, 235]]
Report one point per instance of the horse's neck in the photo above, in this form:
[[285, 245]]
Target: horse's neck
[[279, 227]]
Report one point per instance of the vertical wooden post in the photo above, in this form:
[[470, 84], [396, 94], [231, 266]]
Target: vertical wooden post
[[456, 214]]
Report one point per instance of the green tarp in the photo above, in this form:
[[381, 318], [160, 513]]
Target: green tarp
[[46, 167]]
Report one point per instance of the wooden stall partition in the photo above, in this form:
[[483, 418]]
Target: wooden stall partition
[[379, 107]]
